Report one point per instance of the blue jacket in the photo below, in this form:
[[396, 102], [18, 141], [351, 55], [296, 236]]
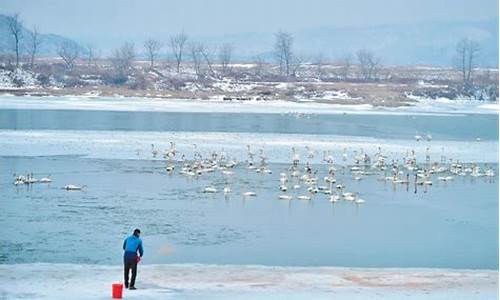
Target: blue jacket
[[131, 245]]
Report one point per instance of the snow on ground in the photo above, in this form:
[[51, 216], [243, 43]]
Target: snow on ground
[[192, 281], [232, 86], [446, 105], [277, 147], [326, 95], [19, 77], [422, 106]]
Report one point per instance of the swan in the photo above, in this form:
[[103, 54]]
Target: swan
[[349, 196], [329, 179], [359, 201], [45, 179], [312, 190], [296, 187], [303, 197], [72, 187], [154, 152], [249, 194], [334, 198], [285, 197], [210, 189]]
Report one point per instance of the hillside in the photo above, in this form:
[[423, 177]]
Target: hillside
[[48, 46]]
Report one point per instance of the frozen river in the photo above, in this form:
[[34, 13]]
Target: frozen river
[[452, 224]]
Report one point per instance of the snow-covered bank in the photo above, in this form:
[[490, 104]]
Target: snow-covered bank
[[421, 106], [277, 147], [446, 105], [69, 281]]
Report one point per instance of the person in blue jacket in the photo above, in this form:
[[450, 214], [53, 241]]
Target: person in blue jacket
[[131, 246]]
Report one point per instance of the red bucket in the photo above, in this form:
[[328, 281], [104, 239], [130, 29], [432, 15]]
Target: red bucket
[[117, 290]]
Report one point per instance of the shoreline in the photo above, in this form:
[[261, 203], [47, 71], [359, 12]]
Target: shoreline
[[199, 281], [437, 107]]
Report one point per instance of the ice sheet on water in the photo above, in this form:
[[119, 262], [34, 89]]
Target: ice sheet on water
[[422, 106], [71, 281], [276, 148]]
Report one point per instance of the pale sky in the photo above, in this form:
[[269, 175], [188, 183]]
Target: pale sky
[[86, 19]]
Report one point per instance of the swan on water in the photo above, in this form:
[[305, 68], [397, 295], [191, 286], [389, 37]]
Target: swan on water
[[210, 189], [45, 179], [249, 194], [72, 187]]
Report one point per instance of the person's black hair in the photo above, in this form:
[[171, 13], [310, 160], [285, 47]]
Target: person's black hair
[[137, 231]]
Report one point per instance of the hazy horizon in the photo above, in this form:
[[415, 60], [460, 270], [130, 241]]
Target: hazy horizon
[[416, 32], [88, 20]]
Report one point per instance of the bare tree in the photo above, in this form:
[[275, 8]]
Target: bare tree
[[123, 58], [467, 51], [196, 50], [225, 53], [369, 64], [319, 61], [207, 54], [345, 67], [90, 54], [152, 48], [15, 27], [33, 44], [69, 52], [177, 44], [259, 64], [283, 51]]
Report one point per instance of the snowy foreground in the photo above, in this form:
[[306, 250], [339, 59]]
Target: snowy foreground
[[68, 281]]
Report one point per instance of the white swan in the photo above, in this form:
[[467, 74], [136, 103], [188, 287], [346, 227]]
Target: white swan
[[285, 197], [312, 190], [249, 194], [334, 198], [303, 197], [210, 189], [72, 187], [349, 196], [45, 179]]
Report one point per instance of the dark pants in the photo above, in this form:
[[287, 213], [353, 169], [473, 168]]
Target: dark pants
[[130, 264]]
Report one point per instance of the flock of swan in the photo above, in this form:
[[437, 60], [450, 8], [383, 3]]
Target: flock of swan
[[300, 177], [303, 179], [29, 179]]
